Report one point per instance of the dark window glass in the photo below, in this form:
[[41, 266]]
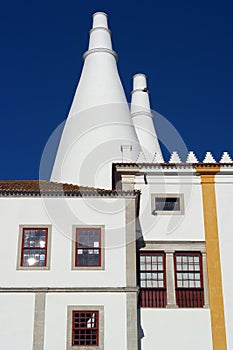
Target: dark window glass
[[167, 203], [88, 247], [85, 328]]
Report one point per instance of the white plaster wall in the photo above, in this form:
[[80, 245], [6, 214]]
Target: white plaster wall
[[184, 329], [224, 199], [114, 318], [16, 321], [62, 213], [189, 226]]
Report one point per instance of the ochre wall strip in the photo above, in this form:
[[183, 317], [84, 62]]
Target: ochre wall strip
[[213, 255]]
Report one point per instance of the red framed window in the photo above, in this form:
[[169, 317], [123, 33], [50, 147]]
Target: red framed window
[[152, 279], [189, 279], [34, 247], [88, 247], [85, 328]]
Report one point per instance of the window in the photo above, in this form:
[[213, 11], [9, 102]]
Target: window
[[34, 242], [85, 327], [167, 204], [88, 248], [152, 279], [189, 280]]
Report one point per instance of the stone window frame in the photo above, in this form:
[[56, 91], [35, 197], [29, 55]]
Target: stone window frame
[[167, 212], [102, 247], [70, 309], [170, 248], [48, 249]]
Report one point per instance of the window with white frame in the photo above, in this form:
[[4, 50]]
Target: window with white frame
[[167, 204]]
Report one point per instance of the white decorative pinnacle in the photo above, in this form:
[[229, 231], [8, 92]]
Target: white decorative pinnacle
[[141, 158], [209, 158], [191, 158], [175, 158], [226, 158], [157, 158]]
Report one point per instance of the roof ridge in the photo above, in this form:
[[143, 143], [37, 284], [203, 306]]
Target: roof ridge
[[45, 187]]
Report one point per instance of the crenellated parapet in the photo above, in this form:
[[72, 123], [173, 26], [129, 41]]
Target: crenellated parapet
[[191, 158]]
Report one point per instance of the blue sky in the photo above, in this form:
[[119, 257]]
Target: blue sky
[[184, 47]]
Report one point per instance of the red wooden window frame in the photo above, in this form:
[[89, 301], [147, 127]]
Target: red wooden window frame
[[32, 246], [85, 329], [87, 248], [153, 291], [189, 279]]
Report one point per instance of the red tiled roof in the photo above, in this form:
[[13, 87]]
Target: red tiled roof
[[43, 187]]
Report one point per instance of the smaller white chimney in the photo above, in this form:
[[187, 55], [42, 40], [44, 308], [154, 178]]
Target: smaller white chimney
[[126, 153], [143, 118]]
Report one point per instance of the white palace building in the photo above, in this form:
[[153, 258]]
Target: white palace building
[[120, 250]]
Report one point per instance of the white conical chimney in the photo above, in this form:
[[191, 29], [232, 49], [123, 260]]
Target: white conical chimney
[[99, 126], [143, 118]]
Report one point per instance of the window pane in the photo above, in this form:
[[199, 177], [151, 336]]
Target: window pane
[[167, 203], [160, 283], [198, 284]]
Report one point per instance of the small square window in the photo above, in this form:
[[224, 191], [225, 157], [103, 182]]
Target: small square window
[[167, 204], [34, 248], [88, 248]]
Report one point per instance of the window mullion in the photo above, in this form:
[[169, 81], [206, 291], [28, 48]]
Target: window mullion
[[205, 279], [170, 276]]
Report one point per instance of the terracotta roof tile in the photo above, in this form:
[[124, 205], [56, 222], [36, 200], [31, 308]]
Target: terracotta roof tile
[[43, 187]]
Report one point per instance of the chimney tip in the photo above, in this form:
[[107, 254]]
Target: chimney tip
[[100, 19], [139, 81]]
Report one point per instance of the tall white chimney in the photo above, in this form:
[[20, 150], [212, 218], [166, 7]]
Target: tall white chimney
[[99, 121]]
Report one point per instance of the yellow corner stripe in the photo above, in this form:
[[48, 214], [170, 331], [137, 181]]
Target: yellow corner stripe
[[213, 255]]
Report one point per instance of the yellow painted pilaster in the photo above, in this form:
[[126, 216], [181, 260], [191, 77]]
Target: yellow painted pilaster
[[208, 173]]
